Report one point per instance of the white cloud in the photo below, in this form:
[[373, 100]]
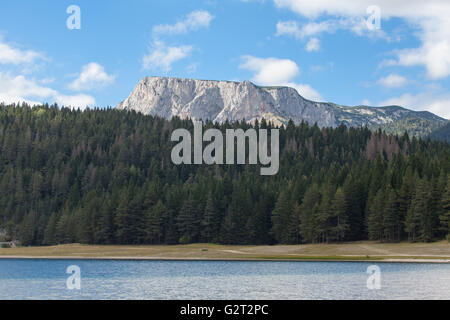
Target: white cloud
[[47, 80], [162, 57], [429, 17], [19, 88], [77, 101], [92, 76], [313, 45], [277, 72], [312, 28], [305, 90], [10, 55], [270, 71], [393, 81], [434, 55], [292, 28], [193, 21], [431, 99], [15, 89], [289, 28]]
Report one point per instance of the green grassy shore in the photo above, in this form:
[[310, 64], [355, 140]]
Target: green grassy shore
[[354, 251]]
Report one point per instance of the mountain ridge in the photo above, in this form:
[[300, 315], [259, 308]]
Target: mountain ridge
[[221, 100]]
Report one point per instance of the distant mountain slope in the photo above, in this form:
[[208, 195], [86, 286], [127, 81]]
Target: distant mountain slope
[[442, 133], [418, 127], [227, 100]]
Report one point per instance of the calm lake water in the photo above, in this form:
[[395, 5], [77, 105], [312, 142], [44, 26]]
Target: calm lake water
[[114, 279]]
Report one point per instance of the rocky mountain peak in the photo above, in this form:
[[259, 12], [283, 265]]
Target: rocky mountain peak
[[236, 101]]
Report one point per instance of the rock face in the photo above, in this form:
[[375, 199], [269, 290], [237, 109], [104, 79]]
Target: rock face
[[222, 100]]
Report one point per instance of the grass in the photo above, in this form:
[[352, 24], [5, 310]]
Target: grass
[[354, 251]]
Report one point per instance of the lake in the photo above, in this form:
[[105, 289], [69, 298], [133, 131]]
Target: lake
[[128, 279]]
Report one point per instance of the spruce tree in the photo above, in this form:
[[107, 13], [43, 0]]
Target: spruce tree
[[445, 216], [209, 222], [281, 217], [391, 221], [308, 214], [375, 217], [188, 221], [155, 223], [340, 217]]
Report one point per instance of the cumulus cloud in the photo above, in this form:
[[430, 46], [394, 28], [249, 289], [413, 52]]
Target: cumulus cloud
[[18, 88], [193, 21], [270, 71], [432, 99], [277, 72], [161, 56], [13, 88], [429, 17], [92, 76], [306, 91], [393, 81], [434, 55], [313, 45], [11, 55]]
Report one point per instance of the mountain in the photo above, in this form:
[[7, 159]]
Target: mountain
[[228, 100], [442, 133]]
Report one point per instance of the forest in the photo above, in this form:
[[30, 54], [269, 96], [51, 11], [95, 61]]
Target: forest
[[104, 176]]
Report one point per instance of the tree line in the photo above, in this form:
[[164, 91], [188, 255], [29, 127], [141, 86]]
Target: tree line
[[105, 176]]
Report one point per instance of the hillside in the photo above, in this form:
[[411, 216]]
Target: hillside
[[441, 133], [106, 177]]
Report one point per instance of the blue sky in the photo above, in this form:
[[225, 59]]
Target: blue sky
[[328, 50]]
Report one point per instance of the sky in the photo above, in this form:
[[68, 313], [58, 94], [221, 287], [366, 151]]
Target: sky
[[93, 53]]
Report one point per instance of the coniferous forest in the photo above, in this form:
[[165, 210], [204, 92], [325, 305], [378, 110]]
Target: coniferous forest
[[106, 177]]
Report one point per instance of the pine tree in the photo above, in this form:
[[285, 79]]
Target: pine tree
[[209, 222], [50, 231], [406, 193], [130, 220], [421, 215], [281, 217], [188, 221], [324, 220], [260, 223], [293, 229], [391, 221], [354, 196], [340, 226], [234, 230], [155, 223], [445, 216], [412, 224], [375, 217], [308, 214]]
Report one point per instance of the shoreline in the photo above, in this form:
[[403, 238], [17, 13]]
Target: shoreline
[[331, 260], [361, 251]]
